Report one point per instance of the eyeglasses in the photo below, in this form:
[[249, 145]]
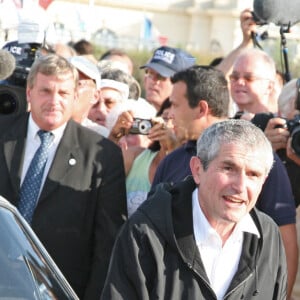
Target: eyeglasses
[[234, 77], [154, 75]]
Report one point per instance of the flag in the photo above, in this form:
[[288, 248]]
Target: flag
[[45, 3], [147, 29], [18, 3]]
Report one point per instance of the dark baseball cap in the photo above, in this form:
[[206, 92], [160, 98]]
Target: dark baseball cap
[[167, 61]]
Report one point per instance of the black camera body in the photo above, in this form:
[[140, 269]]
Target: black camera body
[[13, 89], [293, 127], [140, 126]]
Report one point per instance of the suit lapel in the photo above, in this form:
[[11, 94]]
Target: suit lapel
[[13, 148], [66, 155]]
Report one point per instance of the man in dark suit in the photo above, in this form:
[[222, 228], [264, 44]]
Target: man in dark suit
[[81, 203]]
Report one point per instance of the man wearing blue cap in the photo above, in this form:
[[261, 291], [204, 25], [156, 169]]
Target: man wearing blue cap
[[165, 62]]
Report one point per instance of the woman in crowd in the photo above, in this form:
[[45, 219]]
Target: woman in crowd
[[140, 162]]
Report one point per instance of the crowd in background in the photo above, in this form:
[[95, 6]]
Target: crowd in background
[[112, 145]]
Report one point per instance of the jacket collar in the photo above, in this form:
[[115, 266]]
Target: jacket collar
[[68, 151], [183, 229]]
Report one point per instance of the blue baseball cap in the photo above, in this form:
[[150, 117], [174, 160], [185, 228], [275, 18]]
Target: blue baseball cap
[[167, 61]]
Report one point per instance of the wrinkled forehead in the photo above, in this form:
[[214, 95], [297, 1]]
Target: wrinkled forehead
[[246, 155], [246, 64]]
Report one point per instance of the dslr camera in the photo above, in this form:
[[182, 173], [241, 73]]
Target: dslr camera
[[140, 126], [293, 127]]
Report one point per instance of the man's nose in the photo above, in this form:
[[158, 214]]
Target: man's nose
[[240, 182], [100, 106], [54, 98]]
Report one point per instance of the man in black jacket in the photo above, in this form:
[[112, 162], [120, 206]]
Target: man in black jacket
[[203, 238]]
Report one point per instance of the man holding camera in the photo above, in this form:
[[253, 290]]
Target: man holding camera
[[253, 88]]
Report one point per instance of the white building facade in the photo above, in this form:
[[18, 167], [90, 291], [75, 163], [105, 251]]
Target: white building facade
[[206, 26]]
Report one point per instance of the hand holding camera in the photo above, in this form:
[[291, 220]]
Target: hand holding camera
[[291, 153], [279, 130], [141, 126], [277, 133], [122, 126]]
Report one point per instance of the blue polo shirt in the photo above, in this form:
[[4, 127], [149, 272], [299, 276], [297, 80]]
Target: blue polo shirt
[[276, 198], [175, 166]]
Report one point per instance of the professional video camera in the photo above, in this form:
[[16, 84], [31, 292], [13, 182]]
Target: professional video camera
[[32, 31], [13, 88]]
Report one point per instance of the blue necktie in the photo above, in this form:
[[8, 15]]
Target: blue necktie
[[30, 188]]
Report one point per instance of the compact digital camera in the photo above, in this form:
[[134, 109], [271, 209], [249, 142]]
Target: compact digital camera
[[140, 126]]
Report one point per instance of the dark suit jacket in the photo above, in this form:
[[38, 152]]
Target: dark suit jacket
[[82, 205]]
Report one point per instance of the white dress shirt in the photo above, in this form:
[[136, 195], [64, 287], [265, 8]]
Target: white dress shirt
[[220, 263], [32, 144]]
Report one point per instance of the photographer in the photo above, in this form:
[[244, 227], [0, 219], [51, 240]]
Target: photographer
[[141, 162], [279, 134], [277, 131]]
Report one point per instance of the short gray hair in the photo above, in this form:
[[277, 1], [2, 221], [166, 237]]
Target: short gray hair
[[287, 98], [51, 64], [240, 132]]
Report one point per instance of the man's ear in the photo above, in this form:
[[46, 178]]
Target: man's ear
[[76, 96], [28, 94], [96, 96], [203, 108], [196, 168], [271, 87]]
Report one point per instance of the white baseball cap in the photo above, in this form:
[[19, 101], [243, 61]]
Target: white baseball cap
[[86, 67], [121, 87]]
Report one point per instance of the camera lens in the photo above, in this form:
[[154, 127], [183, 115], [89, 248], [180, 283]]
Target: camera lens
[[12, 99], [296, 140], [145, 126], [8, 103]]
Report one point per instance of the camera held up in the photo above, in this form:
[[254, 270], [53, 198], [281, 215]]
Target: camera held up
[[141, 126], [293, 127]]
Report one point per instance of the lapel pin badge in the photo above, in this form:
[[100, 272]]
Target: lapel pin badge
[[72, 161]]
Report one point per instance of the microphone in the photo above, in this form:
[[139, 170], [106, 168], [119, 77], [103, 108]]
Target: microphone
[[279, 12], [7, 64]]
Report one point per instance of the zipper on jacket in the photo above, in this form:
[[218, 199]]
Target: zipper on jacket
[[241, 283], [189, 265]]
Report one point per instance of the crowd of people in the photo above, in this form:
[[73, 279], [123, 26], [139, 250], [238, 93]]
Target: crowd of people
[[186, 191]]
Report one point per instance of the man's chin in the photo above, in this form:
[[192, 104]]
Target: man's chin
[[52, 121]]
